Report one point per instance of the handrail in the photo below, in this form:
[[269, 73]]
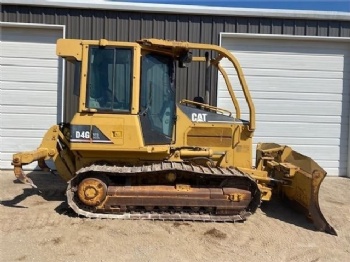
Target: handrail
[[217, 109]]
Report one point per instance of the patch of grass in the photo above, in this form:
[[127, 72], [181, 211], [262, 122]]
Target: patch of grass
[[56, 240], [216, 233], [178, 224], [21, 258]]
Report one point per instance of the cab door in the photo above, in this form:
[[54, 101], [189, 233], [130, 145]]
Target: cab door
[[157, 103]]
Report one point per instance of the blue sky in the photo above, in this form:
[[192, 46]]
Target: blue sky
[[318, 5]]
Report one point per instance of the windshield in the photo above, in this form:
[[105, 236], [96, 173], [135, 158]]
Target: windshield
[[109, 81], [158, 93]]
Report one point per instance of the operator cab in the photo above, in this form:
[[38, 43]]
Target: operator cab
[[109, 89], [112, 87]]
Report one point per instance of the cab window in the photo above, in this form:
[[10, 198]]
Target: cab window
[[109, 79]]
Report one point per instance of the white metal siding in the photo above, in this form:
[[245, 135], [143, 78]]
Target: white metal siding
[[30, 88], [300, 89]]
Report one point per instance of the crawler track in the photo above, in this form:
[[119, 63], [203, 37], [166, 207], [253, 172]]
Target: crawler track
[[231, 175]]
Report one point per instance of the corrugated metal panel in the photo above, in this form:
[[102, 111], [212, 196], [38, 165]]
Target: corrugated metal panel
[[130, 26], [300, 27], [345, 29]]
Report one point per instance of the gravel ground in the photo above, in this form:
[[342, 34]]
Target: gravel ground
[[40, 227]]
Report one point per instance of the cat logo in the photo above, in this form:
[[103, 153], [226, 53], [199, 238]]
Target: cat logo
[[199, 117]]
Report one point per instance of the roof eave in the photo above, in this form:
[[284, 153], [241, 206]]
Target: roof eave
[[185, 9]]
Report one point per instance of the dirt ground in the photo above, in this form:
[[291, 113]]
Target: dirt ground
[[40, 227]]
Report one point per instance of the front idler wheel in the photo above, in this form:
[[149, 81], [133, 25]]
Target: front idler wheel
[[92, 191]]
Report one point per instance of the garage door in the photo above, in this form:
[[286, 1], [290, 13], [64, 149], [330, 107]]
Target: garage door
[[30, 88], [300, 87]]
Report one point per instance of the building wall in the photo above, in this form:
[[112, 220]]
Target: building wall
[[301, 91], [131, 26], [30, 87]]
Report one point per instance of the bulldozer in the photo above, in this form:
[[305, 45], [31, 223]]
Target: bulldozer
[[132, 151]]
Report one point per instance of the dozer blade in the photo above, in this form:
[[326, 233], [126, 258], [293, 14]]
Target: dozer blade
[[301, 177]]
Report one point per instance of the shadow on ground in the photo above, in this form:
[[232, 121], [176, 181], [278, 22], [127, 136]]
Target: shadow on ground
[[281, 210], [49, 186]]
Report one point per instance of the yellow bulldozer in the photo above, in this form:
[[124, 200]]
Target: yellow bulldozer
[[131, 151]]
